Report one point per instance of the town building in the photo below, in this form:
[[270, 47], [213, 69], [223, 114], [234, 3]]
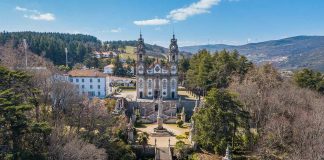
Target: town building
[[109, 69], [109, 54], [89, 82], [158, 79]]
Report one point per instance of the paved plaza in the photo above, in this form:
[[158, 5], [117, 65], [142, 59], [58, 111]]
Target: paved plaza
[[164, 141]]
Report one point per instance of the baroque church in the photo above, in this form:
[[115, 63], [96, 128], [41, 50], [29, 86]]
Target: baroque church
[[157, 80]]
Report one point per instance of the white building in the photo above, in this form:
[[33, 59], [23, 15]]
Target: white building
[[109, 69], [109, 54], [89, 82]]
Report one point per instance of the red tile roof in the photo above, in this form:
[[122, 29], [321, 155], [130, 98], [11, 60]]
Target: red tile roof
[[86, 73]]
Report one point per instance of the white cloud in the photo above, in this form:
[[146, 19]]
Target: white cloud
[[199, 7], [180, 14], [152, 22], [21, 9], [44, 16], [35, 14], [117, 30]]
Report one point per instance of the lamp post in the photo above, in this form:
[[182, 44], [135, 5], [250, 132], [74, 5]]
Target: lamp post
[[66, 57]]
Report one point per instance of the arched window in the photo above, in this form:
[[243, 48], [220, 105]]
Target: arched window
[[173, 84], [164, 84], [140, 83], [149, 83]]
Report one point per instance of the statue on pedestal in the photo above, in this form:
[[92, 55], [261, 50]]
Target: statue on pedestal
[[183, 115]]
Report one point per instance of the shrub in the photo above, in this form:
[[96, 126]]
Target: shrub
[[179, 123]]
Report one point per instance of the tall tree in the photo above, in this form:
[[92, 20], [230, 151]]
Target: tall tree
[[217, 123], [16, 123]]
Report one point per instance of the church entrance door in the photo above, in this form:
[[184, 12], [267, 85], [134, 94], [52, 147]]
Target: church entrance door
[[172, 95], [141, 94], [156, 94]]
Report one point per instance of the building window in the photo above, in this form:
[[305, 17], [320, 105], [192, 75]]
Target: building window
[[82, 80], [90, 86], [91, 93], [164, 93], [141, 83], [164, 84], [98, 93], [149, 83], [173, 84], [77, 80], [71, 79], [82, 86], [90, 80], [98, 80], [98, 86]]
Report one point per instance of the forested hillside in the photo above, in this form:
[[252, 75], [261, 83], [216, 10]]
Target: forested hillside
[[289, 53], [51, 45], [80, 47]]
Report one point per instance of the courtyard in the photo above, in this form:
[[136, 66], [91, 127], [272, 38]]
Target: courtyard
[[164, 141]]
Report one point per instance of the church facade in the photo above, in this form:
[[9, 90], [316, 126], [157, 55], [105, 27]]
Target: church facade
[[157, 79]]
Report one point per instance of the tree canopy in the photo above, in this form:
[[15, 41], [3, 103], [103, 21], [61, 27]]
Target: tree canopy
[[208, 70], [218, 121], [52, 45], [307, 78]]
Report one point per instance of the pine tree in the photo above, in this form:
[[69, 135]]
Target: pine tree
[[217, 122], [16, 93]]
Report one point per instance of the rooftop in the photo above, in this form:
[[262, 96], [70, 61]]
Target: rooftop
[[86, 73], [110, 66]]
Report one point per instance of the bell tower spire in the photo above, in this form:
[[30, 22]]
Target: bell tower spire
[[140, 48], [173, 50]]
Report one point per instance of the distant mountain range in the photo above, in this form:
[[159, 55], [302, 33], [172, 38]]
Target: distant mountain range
[[289, 53]]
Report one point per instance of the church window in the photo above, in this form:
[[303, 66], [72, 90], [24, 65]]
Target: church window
[[173, 84], [164, 84], [141, 84], [157, 69], [150, 83]]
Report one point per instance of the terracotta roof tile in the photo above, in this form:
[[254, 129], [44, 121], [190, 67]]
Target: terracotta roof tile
[[86, 73]]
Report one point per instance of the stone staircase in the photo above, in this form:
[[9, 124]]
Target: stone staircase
[[162, 153]]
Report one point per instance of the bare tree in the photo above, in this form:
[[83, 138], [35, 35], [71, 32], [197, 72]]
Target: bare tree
[[65, 145], [288, 119]]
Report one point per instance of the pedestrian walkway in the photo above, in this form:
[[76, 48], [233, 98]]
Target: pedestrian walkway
[[162, 153]]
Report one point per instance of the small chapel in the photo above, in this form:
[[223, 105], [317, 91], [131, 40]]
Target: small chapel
[[157, 80]]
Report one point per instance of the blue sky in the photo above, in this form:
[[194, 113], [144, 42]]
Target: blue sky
[[194, 21]]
